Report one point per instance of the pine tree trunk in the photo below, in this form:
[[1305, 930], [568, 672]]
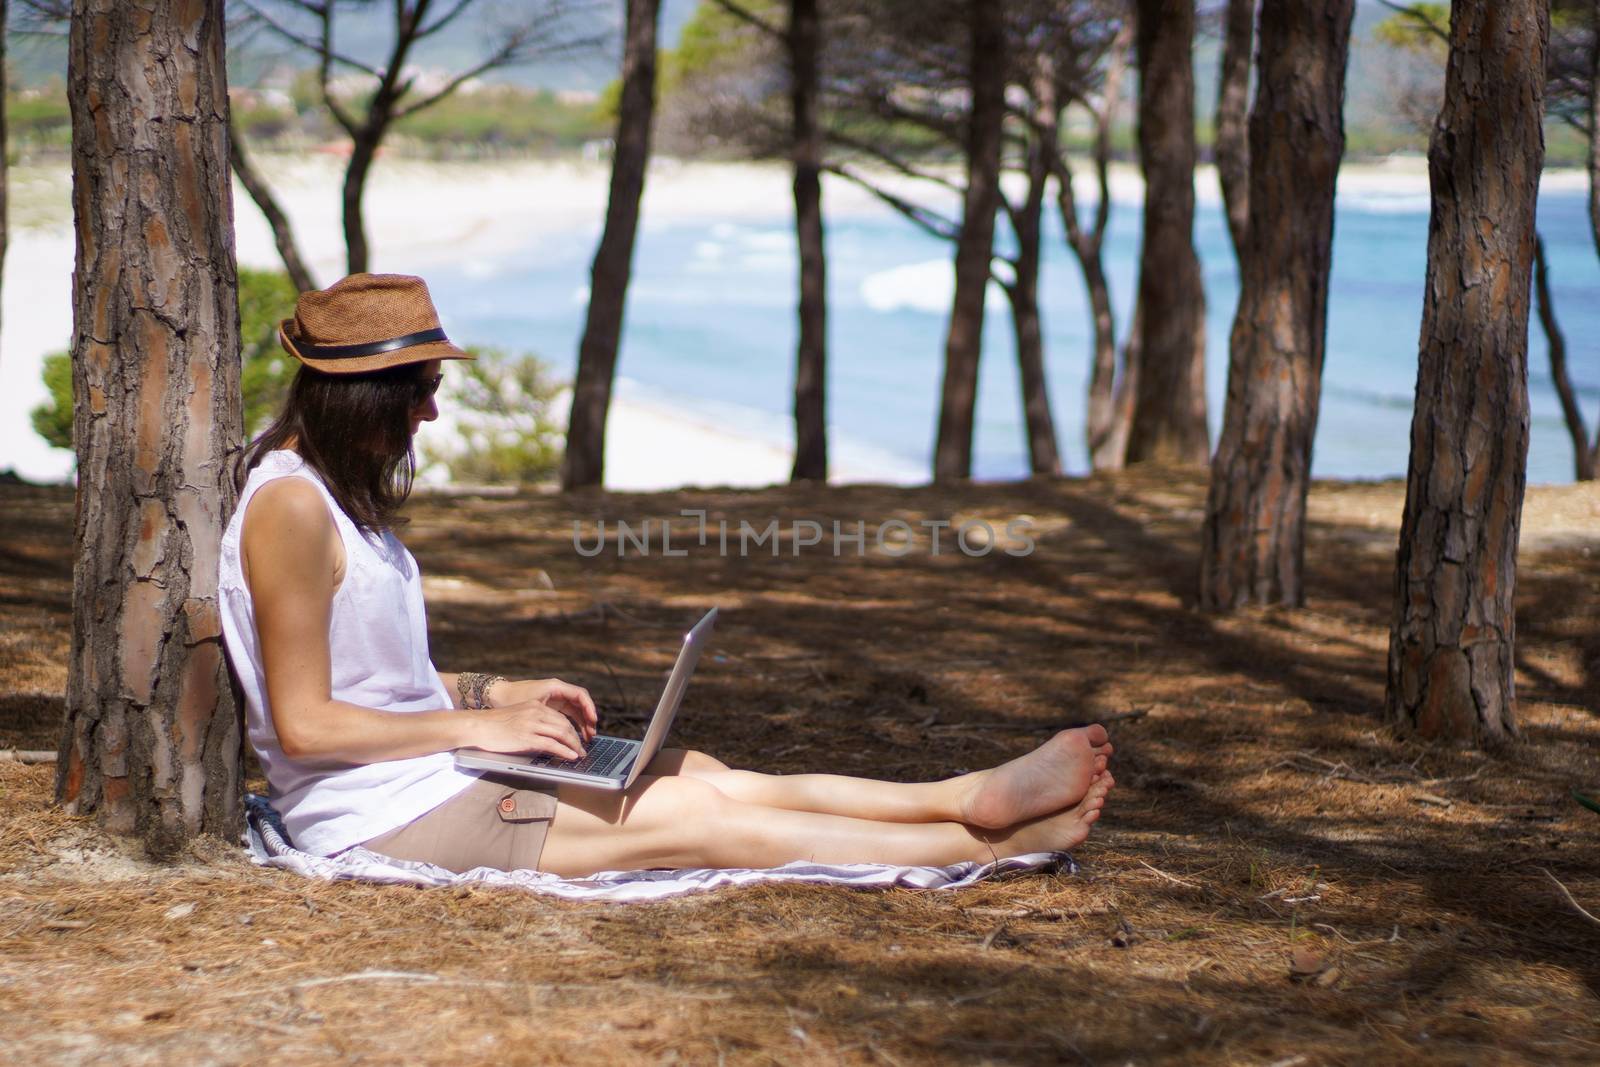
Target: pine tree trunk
[[1100, 416], [811, 358], [362, 152], [1594, 166], [1232, 145], [584, 462], [1169, 418], [151, 742], [1452, 642], [5, 146], [952, 455], [282, 231], [1044, 455], [1106, 433], [1253, 542], [1556, 343], [1116, 443], [1594, 122]]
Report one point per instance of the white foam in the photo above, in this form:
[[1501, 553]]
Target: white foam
[[928, 287], [1386, 204], [770, 241]]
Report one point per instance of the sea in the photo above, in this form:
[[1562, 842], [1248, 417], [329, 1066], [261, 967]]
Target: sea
[[710, 329]]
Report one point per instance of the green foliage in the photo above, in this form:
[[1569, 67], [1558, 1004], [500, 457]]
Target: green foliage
[[40, 117], [713, 37], [1416, 29], [609, 106], [265, 298], [712, 41], [52, 420], [506, 117], [507, 429]]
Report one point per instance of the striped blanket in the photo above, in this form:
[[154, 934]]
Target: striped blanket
[[269, 846]]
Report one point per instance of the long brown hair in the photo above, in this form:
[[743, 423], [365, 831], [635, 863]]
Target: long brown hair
[[354, 430]]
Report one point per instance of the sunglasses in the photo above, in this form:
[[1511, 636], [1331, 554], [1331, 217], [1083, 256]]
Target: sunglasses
[[423, 388]]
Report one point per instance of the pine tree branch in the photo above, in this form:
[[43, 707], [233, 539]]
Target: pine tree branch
[[928, 220], [744, 14]]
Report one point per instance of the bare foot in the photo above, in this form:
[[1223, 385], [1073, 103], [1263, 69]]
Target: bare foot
[[1061, 831], [1052, 777]]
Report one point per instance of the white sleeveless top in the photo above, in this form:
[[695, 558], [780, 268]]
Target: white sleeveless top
[[378, 645]]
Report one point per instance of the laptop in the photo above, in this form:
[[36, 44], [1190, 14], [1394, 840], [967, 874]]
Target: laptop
[[612, 763]]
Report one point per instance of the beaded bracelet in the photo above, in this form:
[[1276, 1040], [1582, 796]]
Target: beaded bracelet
[[474, 688]]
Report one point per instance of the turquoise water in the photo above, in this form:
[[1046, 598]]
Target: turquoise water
[[710, 325]]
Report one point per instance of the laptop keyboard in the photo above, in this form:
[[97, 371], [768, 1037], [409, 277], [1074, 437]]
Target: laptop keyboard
[[602, 758]]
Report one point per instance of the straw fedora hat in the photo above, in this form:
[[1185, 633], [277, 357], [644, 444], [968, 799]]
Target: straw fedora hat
[[366, 322]]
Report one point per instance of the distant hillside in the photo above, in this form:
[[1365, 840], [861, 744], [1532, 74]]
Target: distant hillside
[[1372, 126], [34, 59]]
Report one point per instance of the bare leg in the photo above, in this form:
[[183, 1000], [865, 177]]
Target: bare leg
[[681, 821], [1052, 777]]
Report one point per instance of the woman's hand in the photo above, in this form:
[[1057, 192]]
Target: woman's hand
[[573, 701], [523, 727]]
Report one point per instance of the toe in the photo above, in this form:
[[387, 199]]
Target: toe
[[1077, 739], [1096, 734]]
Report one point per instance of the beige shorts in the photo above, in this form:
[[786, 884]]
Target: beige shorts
[[496, 823]]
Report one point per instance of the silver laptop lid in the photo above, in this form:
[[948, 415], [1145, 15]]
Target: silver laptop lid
[[672, 696]]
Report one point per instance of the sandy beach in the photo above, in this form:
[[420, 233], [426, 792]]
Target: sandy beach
[[421, 215], [468, 215]]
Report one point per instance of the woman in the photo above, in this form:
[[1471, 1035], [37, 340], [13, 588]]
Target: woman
[[325, 626]]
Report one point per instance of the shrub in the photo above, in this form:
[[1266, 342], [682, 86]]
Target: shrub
[[507, 431], [265, 298], [52, 420]]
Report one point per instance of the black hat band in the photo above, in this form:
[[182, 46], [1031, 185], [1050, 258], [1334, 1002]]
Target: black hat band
[[370, 348]]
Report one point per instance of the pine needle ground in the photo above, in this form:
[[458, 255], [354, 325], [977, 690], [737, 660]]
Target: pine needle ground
[[1276, 881]]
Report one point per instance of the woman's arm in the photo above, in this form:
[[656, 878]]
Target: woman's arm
[[293, 556], [573, 701]]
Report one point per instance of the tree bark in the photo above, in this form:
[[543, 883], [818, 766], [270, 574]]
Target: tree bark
[[1107, 442], [584, 462], [1169, 418], [1451, 646], [1253, 541], [5, 145], [151, 740], [1100, 416], [282, 231], [1232, 145], [362, 152], [952, 457], [1556, 342], [1044, 455], [1116, 442], [1594, 123], [811, 356], [1594, 166]]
